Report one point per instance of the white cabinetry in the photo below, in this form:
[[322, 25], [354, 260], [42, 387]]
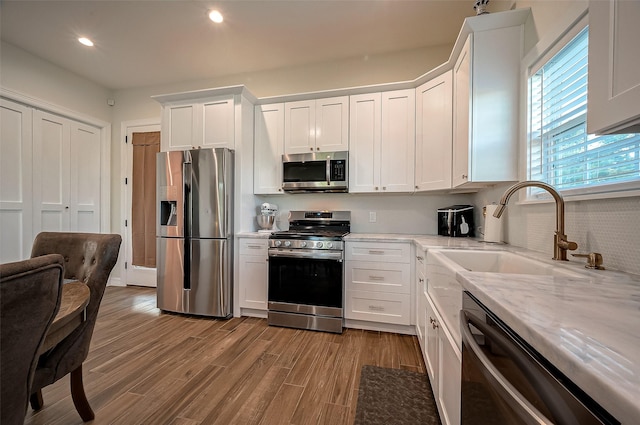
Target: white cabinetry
[[190, 124], [614, 58], [486, 87], [253, 273], [434, 122], [320, 125], [382, 134], [421, 300], [444, 366], [269, 146], [378, 282]]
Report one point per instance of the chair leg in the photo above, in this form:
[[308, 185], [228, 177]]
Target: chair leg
[[36, 400], [79, 397]]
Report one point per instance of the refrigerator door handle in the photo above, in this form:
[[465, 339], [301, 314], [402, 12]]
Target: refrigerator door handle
[[187, 175]]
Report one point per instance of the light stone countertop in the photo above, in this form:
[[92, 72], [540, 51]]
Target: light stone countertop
[[255, 235]]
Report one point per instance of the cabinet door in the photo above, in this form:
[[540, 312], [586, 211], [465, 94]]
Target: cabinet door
[[397, 156], [181, 128], [253, 275], [614, 80], [51, 173], [449, 378], [434, 123], [218, 124], [332, 124], [84, 188], [461, 114], [431, 342], [16, 148], [269, 147], [365, 116], [299, 126]]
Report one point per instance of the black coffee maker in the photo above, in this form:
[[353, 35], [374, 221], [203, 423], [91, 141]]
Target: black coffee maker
[[456, 221]]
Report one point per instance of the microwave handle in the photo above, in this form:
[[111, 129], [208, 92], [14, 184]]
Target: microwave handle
[[328, 170]]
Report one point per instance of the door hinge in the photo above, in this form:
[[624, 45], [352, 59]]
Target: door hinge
[[126, 139], [126, 265], [126, 180], [126, 223]]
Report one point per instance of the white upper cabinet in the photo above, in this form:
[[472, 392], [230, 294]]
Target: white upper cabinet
[[486, 87], [614, 59], [198, 124], [382, 148], [269, 146], [434, 121], [320, 125]]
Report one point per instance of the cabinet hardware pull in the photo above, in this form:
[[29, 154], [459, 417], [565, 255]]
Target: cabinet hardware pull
[[376, 308], [464, 176], [434, 325], [371, 251], [421, 280], [376, 277], [420, 258]]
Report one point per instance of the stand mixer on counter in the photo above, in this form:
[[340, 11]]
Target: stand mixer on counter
[[267, 218]]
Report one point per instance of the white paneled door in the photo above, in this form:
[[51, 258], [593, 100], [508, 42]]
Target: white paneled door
[[66, 174], [15, 181]]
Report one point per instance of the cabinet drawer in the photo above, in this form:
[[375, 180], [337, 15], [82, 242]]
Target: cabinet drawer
[[379, 252], [378, 307], [254, 247], [378, 277]]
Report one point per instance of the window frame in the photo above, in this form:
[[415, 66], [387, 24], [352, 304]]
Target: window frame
[[537, 57]]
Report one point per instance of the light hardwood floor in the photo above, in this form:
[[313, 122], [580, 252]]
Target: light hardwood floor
[[147, 367]]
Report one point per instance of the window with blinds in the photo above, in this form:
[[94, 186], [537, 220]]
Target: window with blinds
[[560, 152]]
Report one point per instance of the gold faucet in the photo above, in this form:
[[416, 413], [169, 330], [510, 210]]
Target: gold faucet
[[560, 243]]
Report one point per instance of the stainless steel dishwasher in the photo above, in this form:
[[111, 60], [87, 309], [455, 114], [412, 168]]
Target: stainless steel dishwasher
[[505, 381]]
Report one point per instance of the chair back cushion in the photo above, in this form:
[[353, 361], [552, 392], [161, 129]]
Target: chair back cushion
[[30, 293], [88, 258]]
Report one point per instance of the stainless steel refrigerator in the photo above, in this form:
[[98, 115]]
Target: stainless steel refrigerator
[[195, 231]]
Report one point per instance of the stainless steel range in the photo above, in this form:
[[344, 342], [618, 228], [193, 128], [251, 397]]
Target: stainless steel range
[[306, 271]]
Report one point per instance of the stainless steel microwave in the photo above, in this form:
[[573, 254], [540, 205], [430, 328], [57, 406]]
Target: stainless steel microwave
[[315, 172]]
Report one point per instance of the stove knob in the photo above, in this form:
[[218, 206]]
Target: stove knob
[[330, 245], [278, 243], [287, 243], [319, 245], [303, 244]]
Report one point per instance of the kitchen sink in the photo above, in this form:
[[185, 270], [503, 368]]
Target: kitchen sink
[[501, 262]]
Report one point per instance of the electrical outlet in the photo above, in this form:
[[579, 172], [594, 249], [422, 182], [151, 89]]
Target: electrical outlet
[[372, 217]]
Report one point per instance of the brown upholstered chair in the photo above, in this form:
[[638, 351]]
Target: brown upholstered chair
[[30, 293], [88, 258]]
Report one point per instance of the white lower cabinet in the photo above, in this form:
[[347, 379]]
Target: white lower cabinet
[[443, 360], [253, 273], [378, 282]]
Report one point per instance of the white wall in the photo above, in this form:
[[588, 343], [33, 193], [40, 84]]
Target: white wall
[[29, 75]]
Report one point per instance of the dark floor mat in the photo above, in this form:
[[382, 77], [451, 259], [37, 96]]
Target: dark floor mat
[[395, 397]]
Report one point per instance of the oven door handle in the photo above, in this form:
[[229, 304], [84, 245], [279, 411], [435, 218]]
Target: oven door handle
[[523, 408], [306, 253]]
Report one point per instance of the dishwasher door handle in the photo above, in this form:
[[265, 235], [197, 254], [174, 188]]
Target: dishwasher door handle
[[520, 405]]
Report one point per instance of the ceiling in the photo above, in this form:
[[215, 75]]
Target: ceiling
[[146, 42]]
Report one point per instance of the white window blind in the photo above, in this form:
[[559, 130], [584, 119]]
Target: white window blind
[[560, 152]]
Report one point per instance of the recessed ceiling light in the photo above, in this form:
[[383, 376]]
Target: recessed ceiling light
[[85, 41], [215, 16]]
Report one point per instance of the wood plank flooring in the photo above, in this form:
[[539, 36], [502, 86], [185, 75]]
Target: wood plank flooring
[[147, 367]]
